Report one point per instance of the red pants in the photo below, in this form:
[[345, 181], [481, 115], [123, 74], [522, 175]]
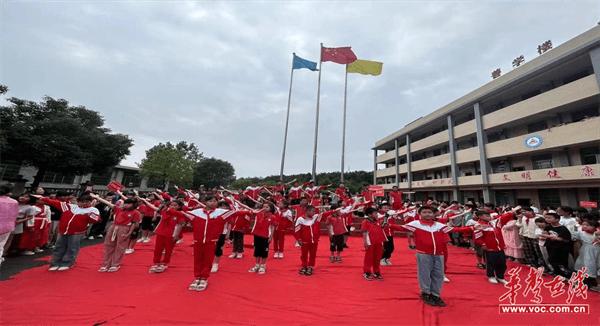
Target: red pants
[[309, 253], [165, 243], [373, 258], [278, 240], [204, 254], [28, 238]]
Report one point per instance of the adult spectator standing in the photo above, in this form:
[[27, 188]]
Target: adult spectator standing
[[9, 210]]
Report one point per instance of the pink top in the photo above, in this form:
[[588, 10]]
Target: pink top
[[9, 209]]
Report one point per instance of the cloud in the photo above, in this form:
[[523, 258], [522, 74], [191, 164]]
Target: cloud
[[217, 73]]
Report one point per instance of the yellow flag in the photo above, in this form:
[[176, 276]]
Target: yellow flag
[[365, 67]]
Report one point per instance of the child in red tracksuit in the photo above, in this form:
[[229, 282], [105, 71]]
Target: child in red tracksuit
[[488, 234], [207, 224], [373, 237], [167, 232], [337, 230], [284, 219], [264, 223], [307, 232], [430, 242]]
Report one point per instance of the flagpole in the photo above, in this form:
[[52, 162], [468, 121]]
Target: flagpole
[[314, 164], [344, 125], [287, 120]]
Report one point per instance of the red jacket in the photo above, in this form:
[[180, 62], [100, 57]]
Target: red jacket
[[208, 224], [374, 232], [337, 225], [430, 236], [240, 222], [490, 235], [307, 229], [396, 199], [284, 219], [169, 218], [74, 219]]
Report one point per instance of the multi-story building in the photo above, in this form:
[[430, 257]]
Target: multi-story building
[[530, 136]]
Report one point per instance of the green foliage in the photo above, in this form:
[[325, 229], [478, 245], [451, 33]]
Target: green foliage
[[353, 180], [171, 163], [213, 172], [3, 89], [51, 135]]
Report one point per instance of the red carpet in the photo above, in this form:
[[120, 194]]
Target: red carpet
[[337, 293]]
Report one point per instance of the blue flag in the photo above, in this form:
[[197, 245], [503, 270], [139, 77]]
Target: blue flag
[[300, 63]]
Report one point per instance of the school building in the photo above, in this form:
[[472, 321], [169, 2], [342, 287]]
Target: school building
[[530, 136]]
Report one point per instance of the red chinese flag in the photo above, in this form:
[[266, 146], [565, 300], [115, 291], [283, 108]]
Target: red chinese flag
[[343, 55]]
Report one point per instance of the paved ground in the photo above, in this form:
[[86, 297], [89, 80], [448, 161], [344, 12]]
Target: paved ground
[[14, 264]]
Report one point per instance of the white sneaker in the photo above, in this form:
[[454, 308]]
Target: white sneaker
[[297, 244], [202, 285], [28, 253], [447, 280], [100, 236], [146, 240], [129, 251], [233, 255], [53, 268], [63, 268], [382, 262], [38, 250], [503, 281], [103, 269], [493, 280], [262, 270], [239, 256], [113, 269], [281, 255], [276, 255], [194, 285], [254, 269], [91, 237], [140, 240], [388, 262], [215, 268]]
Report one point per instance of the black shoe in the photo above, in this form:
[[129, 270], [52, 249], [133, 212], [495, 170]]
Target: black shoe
[[346, 246], [368, 276], [412, 247], [426, 298], [378, 276], [302, 271], [309, 271], [480, 266], [437, 301]]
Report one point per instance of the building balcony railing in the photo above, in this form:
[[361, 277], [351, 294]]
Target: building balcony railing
[[581, 132], [431, 163], [470, 180], [569, 93], [389, 156]]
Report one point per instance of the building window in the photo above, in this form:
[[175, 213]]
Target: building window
[[549, 198], [518, 168], [590, 155], [537, 126], [131, 179], [576, 76], [102, 178], [594, 194], [499, 166], [542, 162], [60, 178]]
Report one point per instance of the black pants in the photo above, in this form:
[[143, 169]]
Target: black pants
[[559, 259], [261, 247], [98, 228], [238, 241], [147, 223], [337, 243], [219, 247], [495, 264], [388, 248]]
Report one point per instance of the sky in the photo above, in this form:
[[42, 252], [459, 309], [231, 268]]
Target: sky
[[217, 73]]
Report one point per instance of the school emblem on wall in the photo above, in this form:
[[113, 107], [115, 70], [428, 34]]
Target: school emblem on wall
[[534, 141]]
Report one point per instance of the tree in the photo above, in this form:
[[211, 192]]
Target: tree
[[213, 172], [3, 89], [171, 163], [53, 136]]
